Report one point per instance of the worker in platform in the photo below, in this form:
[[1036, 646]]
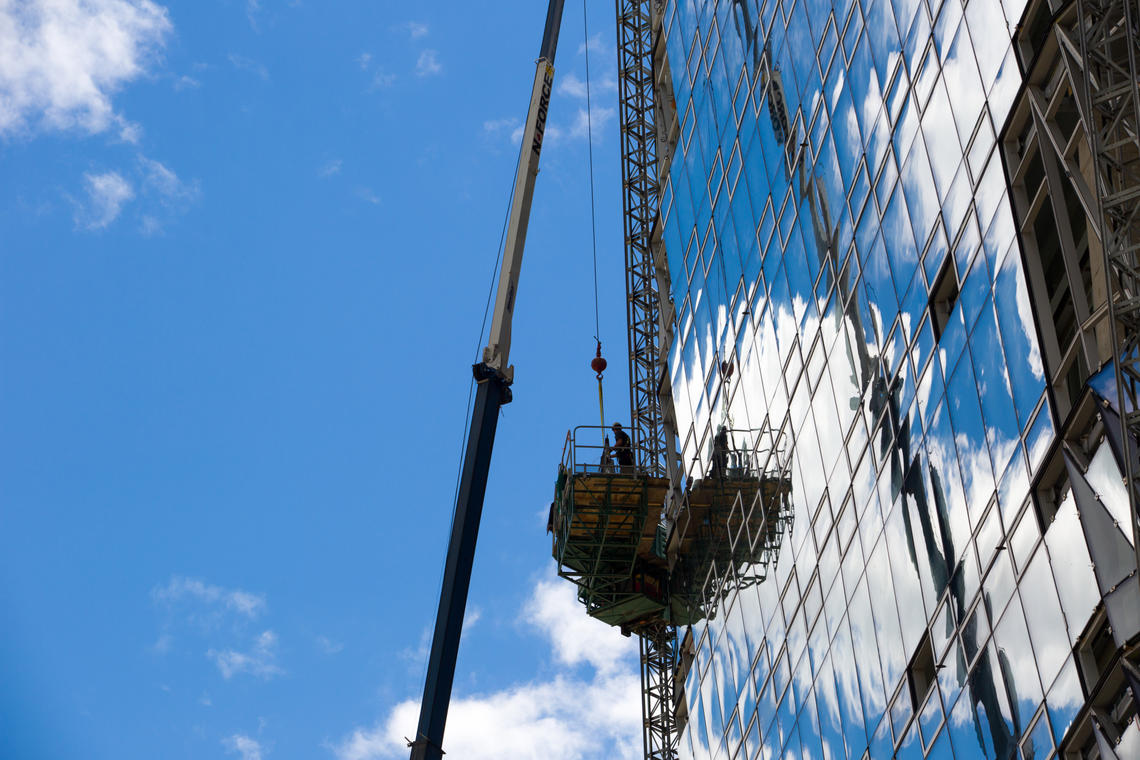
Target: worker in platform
[[720, 453], [622, 448]]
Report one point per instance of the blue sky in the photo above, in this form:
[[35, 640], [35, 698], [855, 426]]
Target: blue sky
[[245, 249]]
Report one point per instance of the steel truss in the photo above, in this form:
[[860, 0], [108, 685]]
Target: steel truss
[[640, 197], [1109, 40], [658, 661], [640, 191]]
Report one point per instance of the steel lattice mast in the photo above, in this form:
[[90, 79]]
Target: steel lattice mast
[[1109, 32], [640, 193], [657, 644]]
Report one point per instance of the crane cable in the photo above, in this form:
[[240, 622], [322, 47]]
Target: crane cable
[[598, 364]]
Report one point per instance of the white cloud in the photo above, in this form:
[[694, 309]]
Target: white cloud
[[572, 86], [61, 61], [107, 193], [185, 82], [236, 600], [241, 63], [497, 126], [576, 88], [149, 225], [567, 717], [579, 129], [173, 196], [473, 616], [417, 656], [575, 638], [162, 644], [252, 8], [328, 646], [367, 195], [564, 719], [595, 43], [330, 168], [415, 29], [382, 80], [260, 661], [428, 63], [163, 182], [249, 749], [585, 121], [512, 126], [253, 12]]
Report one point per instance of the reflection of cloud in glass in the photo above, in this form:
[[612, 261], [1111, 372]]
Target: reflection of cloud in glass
[[1076, 584], [1105, 478], [935, 456]]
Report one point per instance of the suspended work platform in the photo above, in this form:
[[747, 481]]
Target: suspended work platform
[[608, 539], [635, 571], [728, 538]]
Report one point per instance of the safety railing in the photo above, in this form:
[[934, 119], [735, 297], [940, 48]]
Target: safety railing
[[743, 453], [593, 450]]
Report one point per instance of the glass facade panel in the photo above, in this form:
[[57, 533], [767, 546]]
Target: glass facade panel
[[894, 515], [839, 231]]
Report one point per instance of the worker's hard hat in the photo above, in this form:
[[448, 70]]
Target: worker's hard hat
[[616, 426]]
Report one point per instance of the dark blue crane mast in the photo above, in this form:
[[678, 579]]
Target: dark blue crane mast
[[494, 376]]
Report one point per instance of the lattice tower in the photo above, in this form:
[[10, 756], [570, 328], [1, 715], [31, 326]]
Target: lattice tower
[[640, 193]]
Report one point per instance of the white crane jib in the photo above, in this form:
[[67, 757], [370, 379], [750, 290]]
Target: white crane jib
[[496, 353]]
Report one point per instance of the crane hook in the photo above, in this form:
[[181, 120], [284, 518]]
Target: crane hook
[[598, 364]]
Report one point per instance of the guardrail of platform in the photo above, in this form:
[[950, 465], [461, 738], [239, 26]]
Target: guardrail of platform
[[749, 452], [589, 450]]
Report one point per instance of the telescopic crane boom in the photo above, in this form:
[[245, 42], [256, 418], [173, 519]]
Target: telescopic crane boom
[[494, 376]]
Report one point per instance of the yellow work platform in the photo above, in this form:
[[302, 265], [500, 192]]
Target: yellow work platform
[[630, 569]]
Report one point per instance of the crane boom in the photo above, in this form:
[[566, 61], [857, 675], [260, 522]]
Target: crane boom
[[498, 348], [494, 376]]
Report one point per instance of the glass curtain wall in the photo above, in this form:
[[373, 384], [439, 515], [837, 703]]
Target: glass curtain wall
[[844, 266]]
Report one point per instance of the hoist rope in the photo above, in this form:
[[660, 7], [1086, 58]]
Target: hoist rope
[[590, 150], [593, 213]]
